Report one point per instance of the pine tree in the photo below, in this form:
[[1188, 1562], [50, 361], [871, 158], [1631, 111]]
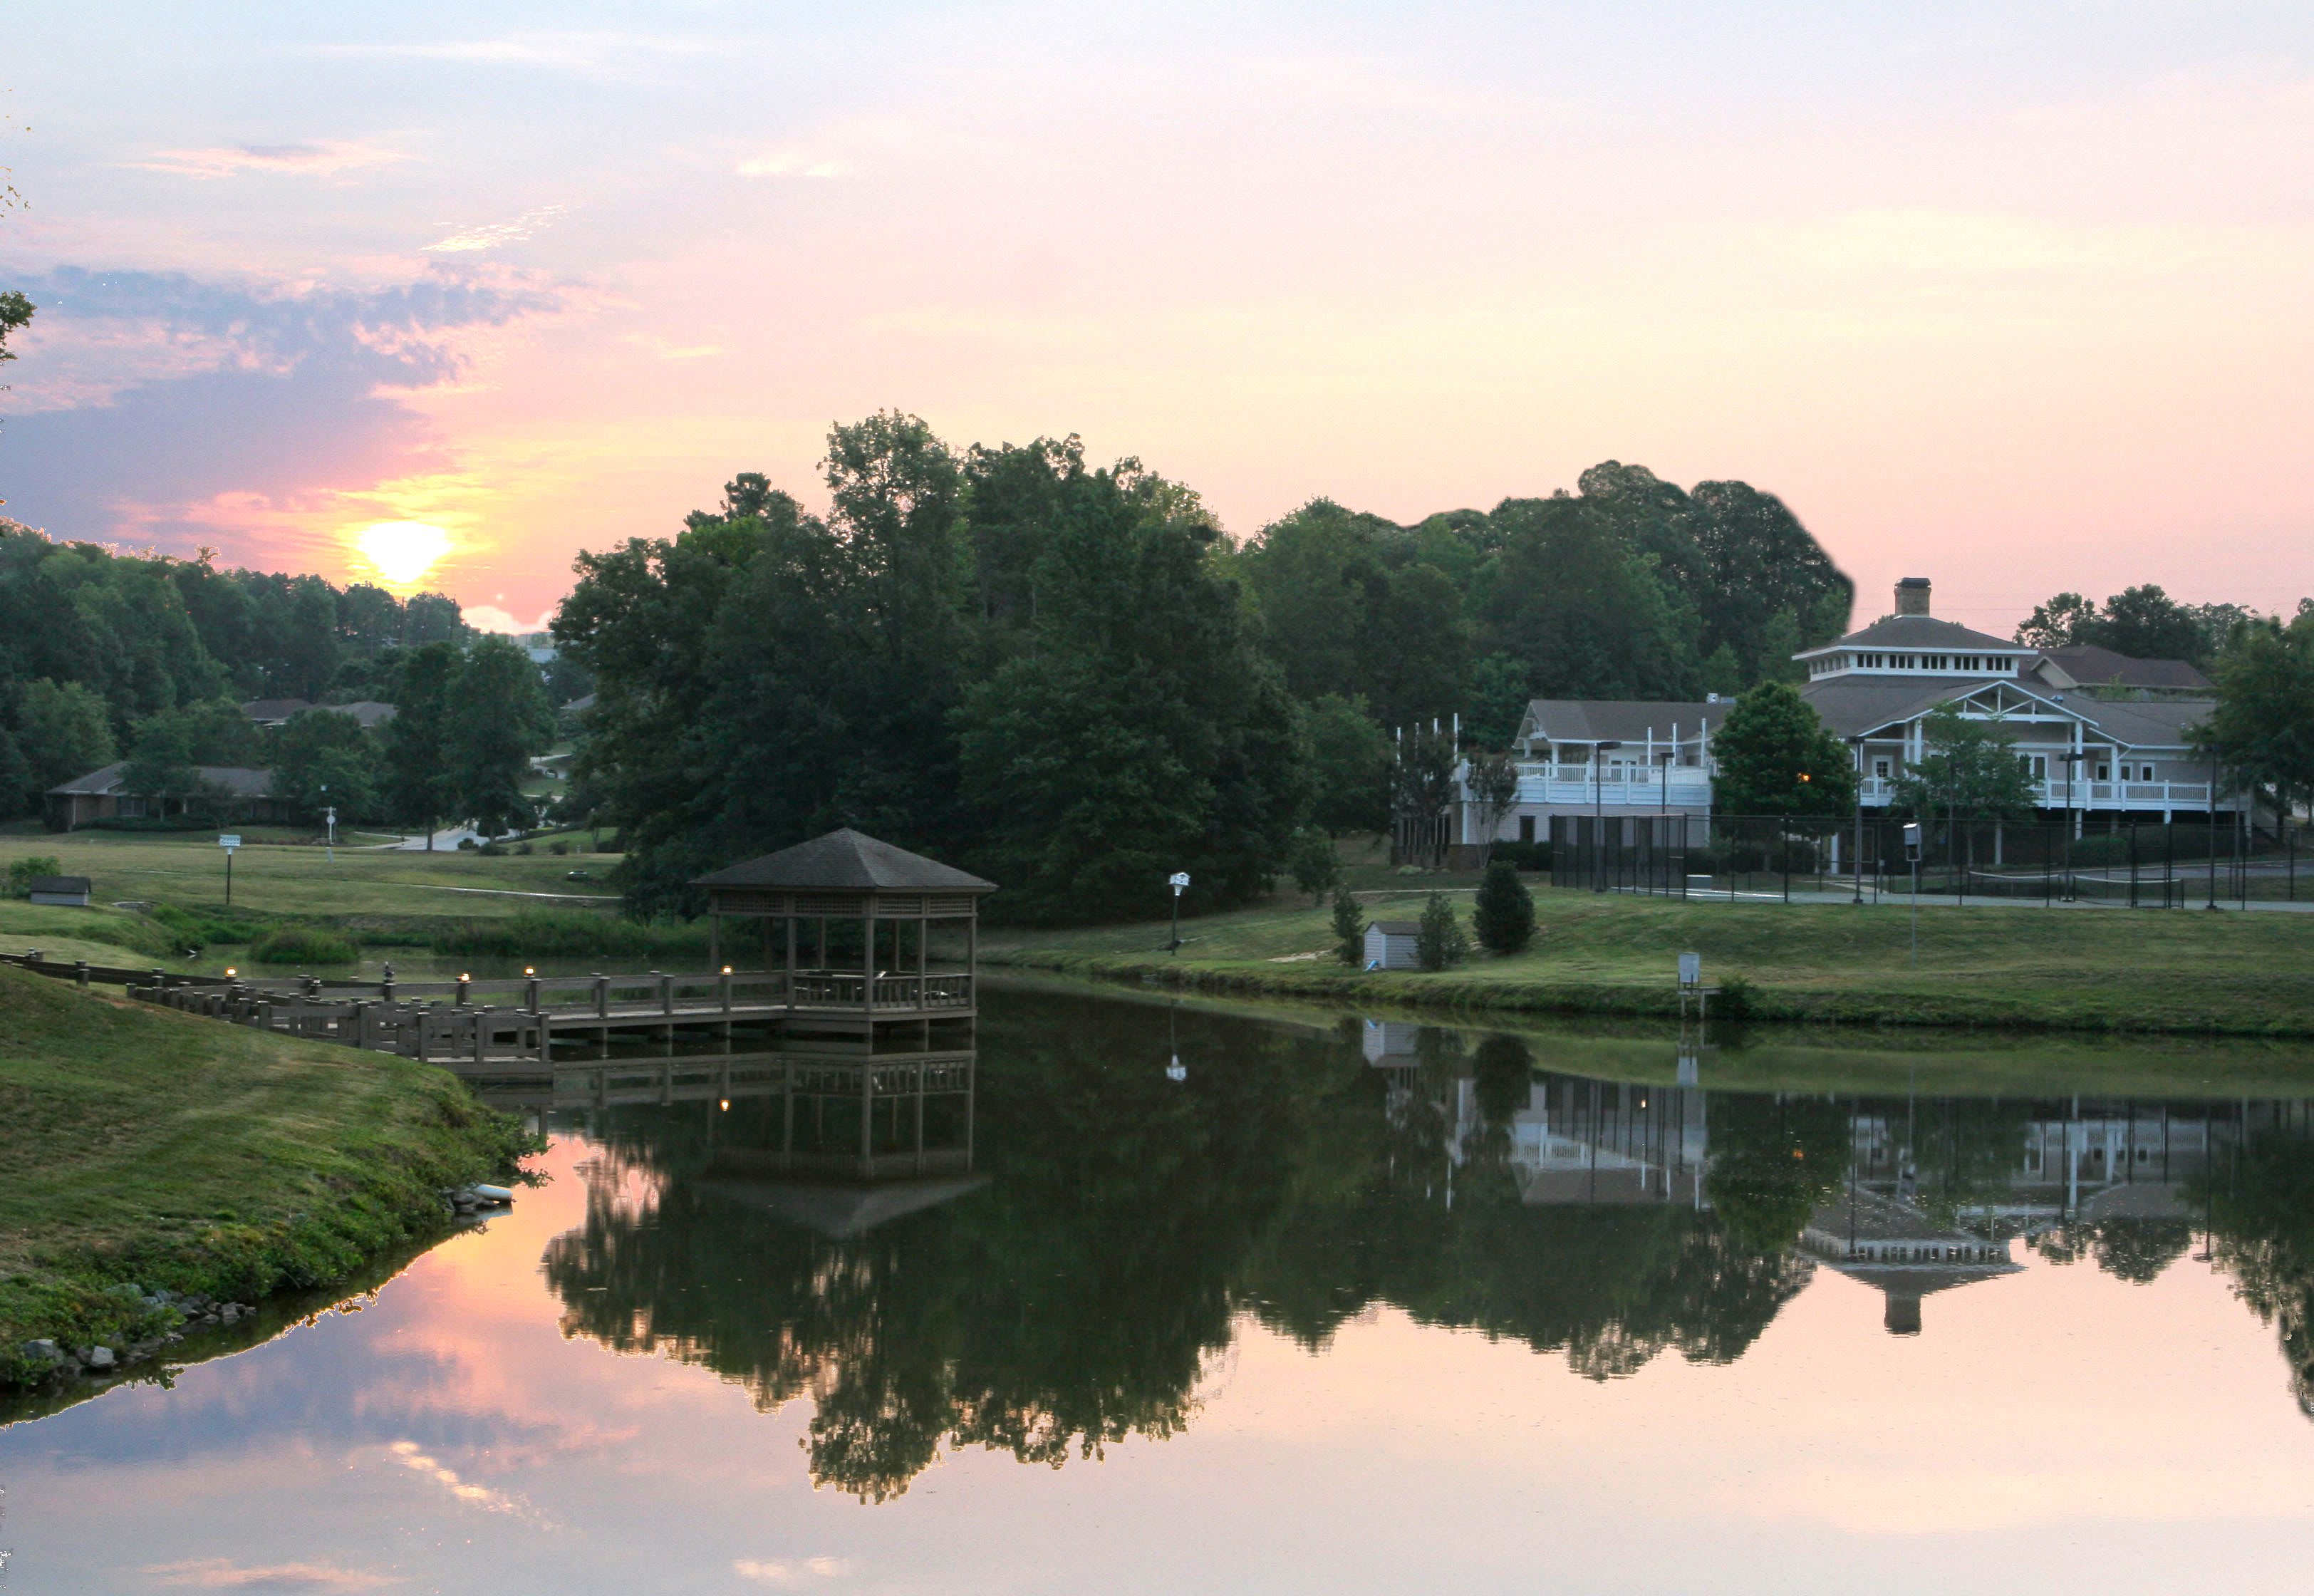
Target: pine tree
[[1504, 914], [1440, 941], [1350, 928]]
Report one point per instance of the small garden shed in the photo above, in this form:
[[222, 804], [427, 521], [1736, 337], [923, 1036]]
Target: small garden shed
[[1389, 944], [69, 891]]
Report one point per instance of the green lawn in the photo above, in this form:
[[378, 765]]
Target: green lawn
[[188, 870], [2167, 970], [172, 1150]]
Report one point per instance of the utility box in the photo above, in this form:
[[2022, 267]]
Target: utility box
[[1389, 944], [1690, 969]]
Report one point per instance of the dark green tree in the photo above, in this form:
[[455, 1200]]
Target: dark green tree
[[1492, 781], [64, 731], [1350, 766], [498, 717], [1776, 757], [420, 787], [1315, 865], [1503, 914], [1439, 940], [161, 763], [322, 758], [1349, 926], [2262, 729]]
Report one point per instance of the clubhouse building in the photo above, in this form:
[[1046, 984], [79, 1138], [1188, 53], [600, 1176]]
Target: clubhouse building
[[2104, 736]]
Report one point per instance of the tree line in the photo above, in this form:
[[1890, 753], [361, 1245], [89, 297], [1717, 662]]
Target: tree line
[[1066, 676], [107, 657]]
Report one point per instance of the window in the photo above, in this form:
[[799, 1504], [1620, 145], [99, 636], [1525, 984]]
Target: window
[[1880, 769], [1526, 828], [2105, 772]]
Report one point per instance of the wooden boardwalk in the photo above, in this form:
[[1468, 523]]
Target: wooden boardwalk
[[524, 1020]]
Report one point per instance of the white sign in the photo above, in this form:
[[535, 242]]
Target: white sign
[[1178, 880], [230, 840]]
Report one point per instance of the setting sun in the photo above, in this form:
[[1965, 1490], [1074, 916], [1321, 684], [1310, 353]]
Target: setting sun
[[404, 552]]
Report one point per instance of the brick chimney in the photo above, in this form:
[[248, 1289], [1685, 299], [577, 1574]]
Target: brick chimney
[[1913, 596]]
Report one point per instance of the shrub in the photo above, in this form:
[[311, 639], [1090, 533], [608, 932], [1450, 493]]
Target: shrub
[[193, 931], [1316, 868], [1736, 1000], [1349, 929], [1440, 942], [23, 872], [303, 945], [1523, 856], [558, 849], [1504, 914]]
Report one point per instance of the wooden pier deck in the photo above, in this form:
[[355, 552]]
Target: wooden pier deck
[[524, 1020]]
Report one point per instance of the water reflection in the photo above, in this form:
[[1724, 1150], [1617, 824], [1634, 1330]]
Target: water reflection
[[1042, 1250]]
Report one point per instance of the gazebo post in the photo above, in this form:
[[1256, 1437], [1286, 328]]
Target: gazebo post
[[868, 969], [714, 940], [790, 982]]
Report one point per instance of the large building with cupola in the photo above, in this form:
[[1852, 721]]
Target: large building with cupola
[[2106, 737]]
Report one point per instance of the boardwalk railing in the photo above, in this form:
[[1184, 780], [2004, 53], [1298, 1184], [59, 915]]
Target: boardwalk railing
[[519, 1020]]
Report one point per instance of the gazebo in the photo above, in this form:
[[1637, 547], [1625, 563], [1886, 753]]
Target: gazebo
[[896, 898]]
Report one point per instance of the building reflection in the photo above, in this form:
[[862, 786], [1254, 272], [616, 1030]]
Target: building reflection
[[1043, 1247]]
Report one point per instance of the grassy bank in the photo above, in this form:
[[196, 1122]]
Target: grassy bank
[[181, 1153], [2185, 971]]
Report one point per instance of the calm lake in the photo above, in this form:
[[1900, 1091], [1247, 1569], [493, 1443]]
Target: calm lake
[[1146, 1297]]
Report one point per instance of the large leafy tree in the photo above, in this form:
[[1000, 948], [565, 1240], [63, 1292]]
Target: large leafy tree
[[1137, 730], [62, 730], [2262, 729], [1775, 756], [498, 717], [1350, 766], [323, 759], [2143, 622], [420, 788]]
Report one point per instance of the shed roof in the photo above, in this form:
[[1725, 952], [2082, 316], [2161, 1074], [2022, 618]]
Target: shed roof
[[846, 861], [59, 884], [1397, 928]]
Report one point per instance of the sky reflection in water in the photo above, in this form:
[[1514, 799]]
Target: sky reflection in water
[[1374, 1309]]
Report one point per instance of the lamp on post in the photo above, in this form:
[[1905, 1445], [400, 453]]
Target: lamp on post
[[1179, 881], [1599, 813], [2209, 832], [2073, 758]]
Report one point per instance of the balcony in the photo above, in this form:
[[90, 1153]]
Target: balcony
[[1619, 787], [2140, 798]]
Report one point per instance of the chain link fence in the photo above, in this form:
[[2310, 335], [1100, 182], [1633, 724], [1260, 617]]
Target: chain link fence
[[2136, 864]]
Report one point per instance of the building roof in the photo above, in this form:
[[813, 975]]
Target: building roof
[[1623, 720], [1397, 928], [273, 710], [2089, 666], [1852, 706], [59, 884], [234, 780], [846, 861], [1918, 632], [369, 711]]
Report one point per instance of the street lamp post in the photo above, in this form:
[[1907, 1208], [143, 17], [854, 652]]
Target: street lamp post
[[1912, 857], [2073, 758], [1178, 881], [1599, 813], [2209, 832]]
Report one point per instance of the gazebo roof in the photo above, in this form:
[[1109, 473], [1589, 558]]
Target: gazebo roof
[[846, 861]]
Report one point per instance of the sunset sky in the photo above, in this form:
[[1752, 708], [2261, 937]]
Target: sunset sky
[[2017, 297]]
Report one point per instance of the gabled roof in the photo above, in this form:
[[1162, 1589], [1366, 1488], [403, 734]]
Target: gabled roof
[[1397, 928], [235, 780], [1918, 631], [2089, 666], [846, 861], [275, 708], [1623, 720], [1853, 706]]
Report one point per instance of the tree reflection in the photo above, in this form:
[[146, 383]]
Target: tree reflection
[[1073, 1292]]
